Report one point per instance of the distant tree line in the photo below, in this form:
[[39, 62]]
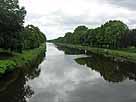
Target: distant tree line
[[113, 34], [13, 35]]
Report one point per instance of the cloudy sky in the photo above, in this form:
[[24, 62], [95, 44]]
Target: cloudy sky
[[56, 17]]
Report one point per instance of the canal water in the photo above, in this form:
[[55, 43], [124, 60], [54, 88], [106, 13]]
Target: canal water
[[68, 75]]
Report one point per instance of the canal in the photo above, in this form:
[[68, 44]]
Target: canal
[[68, 75]]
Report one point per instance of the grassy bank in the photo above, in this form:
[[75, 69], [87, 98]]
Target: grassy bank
[[126, 54], [18, 60]]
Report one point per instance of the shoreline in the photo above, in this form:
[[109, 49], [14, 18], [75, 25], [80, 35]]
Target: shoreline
[[116, 53], [27, 58]]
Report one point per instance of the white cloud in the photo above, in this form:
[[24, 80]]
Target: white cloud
[[55, 17]]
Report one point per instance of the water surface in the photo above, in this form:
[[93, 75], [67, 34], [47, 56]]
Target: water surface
[[67, 75]]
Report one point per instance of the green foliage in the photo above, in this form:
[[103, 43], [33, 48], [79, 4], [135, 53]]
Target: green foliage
[[21, 59], [75, 37], [8, 64], [128, 54], [15, 38], [13, 35], [113, 34], [130, 38], [78, 33], [11, 23], [32, 37]]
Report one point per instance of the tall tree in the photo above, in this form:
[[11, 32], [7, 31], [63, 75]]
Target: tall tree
[[11, 23], [112, 34], [32, 37]]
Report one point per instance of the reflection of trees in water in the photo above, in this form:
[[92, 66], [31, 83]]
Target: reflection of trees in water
[[16, 89], [33, 70], [31, 73], [70, 51], [112, 71]]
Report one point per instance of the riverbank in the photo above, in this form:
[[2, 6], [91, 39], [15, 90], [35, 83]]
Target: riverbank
[[125, 54], [26, 58]]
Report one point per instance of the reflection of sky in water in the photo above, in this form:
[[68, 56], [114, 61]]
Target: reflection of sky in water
[[63, 80]]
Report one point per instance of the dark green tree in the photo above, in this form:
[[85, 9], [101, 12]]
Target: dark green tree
[[112, 34], [32, 37], [11, 23], [78, 34]]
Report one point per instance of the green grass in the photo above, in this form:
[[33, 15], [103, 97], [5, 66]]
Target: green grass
[[128, 54], [131, 50], [19, 60]]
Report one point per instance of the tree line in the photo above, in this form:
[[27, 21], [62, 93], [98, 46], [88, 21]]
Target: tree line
[[112, 34], [13, 35]]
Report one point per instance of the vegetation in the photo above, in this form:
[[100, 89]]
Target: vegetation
[[32, 37], [18, 44], [126, 54], [27, 57], [113, 38], [11, 24], [110, 70], [13, 35], [113, 34]]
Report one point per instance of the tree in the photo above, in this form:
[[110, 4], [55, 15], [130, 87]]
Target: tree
[[32, 37], [112, 34], [131, 38], [68, 37], [11, 23], [108, 35], [78, 34]]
